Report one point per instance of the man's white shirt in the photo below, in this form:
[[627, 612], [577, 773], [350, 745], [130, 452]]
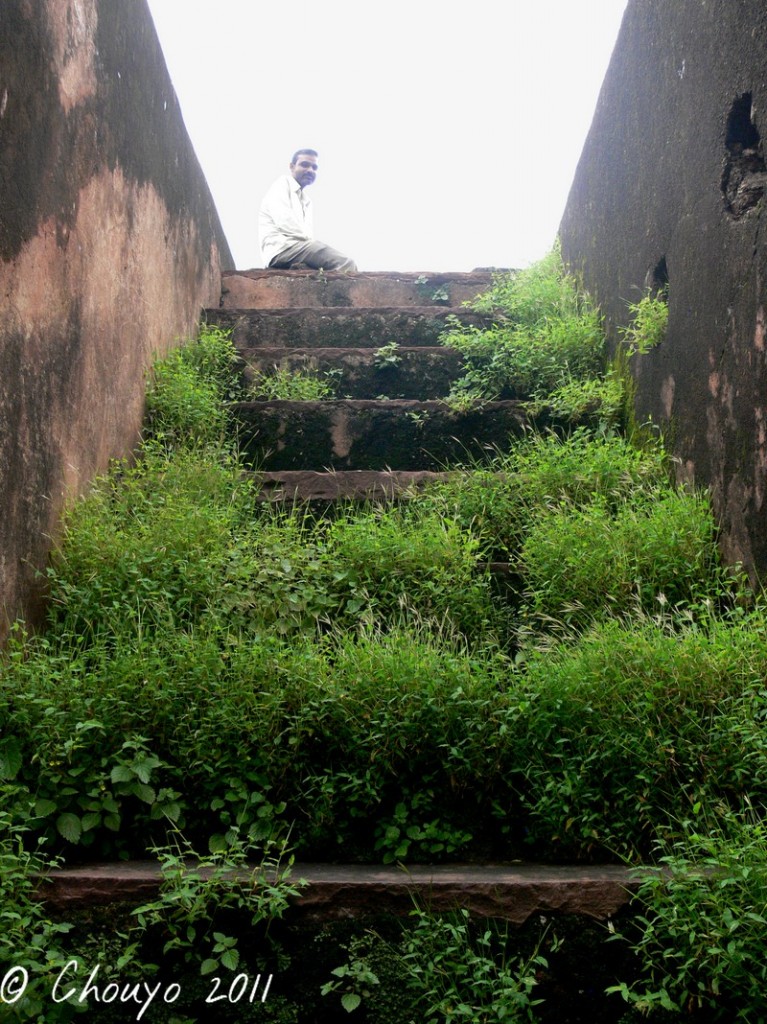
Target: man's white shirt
[[284, 219]]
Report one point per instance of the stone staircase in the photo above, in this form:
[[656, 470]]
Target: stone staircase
[[362, 445], [377, 335], [385, 434]]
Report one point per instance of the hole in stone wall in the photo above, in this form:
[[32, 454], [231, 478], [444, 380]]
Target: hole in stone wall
[[744, 179], [657, 280]]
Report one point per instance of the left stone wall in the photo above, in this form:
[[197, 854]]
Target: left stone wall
[[110, 246]]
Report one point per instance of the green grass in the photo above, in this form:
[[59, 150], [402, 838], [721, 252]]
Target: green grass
[[362, 681], [293, 385], [542, 332], [361, 687]]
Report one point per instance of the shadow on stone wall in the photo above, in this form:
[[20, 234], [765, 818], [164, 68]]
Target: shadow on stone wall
[[110, 246], [670, 190]]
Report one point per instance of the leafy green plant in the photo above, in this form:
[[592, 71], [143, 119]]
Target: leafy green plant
[[387, 356], [649, 322], [291, 385], [500, 501], [701, 929], [417, 418], [462, 972], [199, 891], [452, 969], [590, 560], [645, 720], [187, 391], [31, 944], [597, 402], [356, 980], [280, 576], [412, 563], [543, 333], [84, 791], [428, 293], [462, 400], [407, 833], [146, 548]]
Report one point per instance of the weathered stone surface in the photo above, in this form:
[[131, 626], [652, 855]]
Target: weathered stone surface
[[669, 190], [265, 289], [109, 248], [360, 373], [513, 892], [368, 434], [338, 327]]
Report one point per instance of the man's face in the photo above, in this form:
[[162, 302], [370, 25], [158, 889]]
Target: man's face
[[304, 170]]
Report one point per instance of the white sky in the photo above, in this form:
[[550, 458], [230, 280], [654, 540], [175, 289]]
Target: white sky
[[448, 133]]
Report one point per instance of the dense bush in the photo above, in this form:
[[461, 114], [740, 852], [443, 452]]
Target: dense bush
[[448, 968], [392, 746], [700, 933], [174, 542], [329, 736], [582, 562], [542, 333], [187, 391], [629, 727], [147, 548], [503, 500], [31, 945]]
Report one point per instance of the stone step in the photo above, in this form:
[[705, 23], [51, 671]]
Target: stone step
[[336, 891], [299, 288], [420, 373], [372, 434], [352, 485], [323, 327]]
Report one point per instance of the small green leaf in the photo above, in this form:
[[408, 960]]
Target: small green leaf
[[350, 1001], [231, 959], [208, 966], [44, 807], [217, 843], [68, 826], [145, 793], [10, 758]]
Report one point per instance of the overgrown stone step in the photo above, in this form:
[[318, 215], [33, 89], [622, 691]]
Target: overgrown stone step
[[372, 434], [299, 288], [337, 328], [419, 373], [352, 485], [512, 892]]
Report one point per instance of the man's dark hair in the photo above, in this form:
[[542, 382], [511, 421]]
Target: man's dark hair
[[303, 152]]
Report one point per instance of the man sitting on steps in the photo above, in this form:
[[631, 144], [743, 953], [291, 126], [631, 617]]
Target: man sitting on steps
[[285, 222]]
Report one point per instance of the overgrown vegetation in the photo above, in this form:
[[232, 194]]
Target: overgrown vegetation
[[448, 969], [291, 385], [543, 339], [648, 323], [700, 937], [31, 944], [364, 687]]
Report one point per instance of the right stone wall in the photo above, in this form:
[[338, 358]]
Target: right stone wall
[[671, 189]]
